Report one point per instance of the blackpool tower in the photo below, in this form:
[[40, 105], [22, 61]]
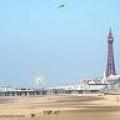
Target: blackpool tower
[[110, 70]]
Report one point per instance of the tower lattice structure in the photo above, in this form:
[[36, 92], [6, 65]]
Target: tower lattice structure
[[110, 70]]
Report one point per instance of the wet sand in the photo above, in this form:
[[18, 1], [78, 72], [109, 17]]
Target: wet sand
[[60, 107]]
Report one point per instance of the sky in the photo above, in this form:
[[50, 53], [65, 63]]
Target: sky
[[61, 46]]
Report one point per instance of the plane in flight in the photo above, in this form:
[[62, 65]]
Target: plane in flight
[[61, 6]]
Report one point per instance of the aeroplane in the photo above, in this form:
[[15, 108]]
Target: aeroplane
[[61, 6]]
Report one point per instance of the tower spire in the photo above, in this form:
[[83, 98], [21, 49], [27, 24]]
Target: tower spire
[[110, 70], [110, 35]]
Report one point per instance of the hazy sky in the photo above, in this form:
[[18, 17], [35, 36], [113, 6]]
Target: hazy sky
[[62, 45]]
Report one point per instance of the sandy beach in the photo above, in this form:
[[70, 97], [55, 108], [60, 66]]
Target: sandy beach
[[60, 107]]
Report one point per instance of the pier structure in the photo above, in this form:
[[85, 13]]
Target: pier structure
[[23, 93]]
